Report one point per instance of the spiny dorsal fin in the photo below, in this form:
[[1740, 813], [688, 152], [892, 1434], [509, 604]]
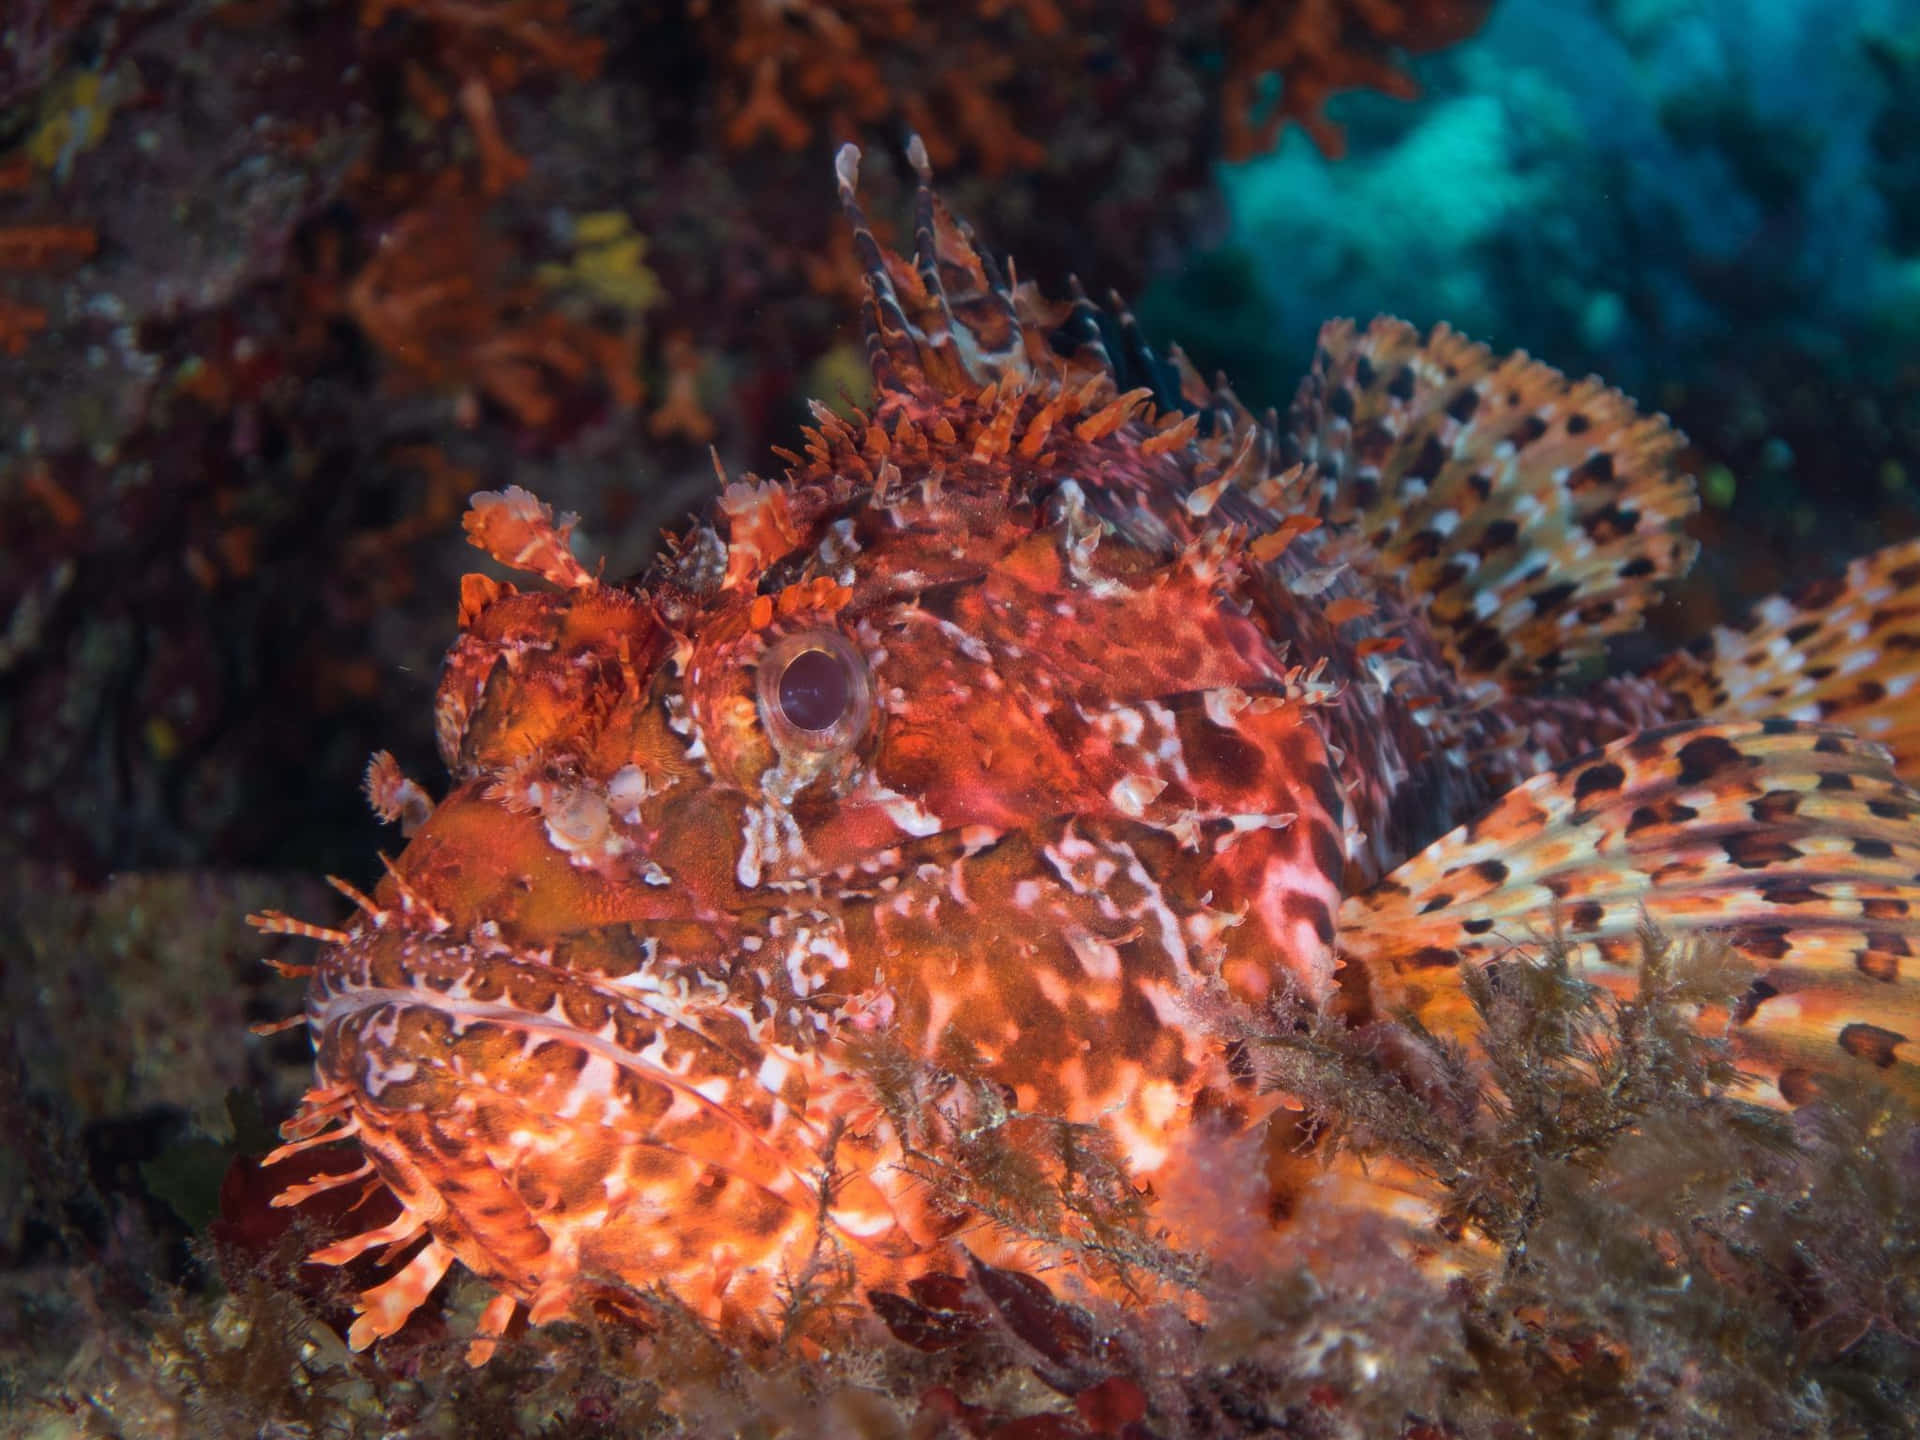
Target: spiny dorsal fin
[[1796, 843], [946, 318], [1533, 515], [1845, 651]]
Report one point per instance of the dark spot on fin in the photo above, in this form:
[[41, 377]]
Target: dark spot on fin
[[1878, 965], [1798, 1086], [1871, 1043], [1598, 779], [1703, 758], [1754, 850], [1758, 993]]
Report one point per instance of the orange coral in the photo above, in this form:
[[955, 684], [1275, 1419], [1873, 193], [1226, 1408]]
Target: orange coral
[[1320, 47], [39, 247], [36, 247], [955, 73], [491, 47], [681, 413], [501, 165], [19, 324], [806, 67], [438, 301], [501, 42], [66, 511]]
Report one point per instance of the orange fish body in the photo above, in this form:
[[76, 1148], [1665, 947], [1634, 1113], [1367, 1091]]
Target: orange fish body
[[965, 791]]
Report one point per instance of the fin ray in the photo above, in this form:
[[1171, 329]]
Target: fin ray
[[1845, 651], [1733, 829], [1532, 515]]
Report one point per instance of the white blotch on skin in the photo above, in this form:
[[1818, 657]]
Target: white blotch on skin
[[375, 1078], [626, 791], [910, 815], [1122, 725], [773, 1074], [1098, 958], [1132, 794]]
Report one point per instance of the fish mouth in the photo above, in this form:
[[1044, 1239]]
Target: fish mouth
[[643, 1124]]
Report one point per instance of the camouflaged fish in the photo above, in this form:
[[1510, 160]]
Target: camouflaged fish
[[1025, 726]]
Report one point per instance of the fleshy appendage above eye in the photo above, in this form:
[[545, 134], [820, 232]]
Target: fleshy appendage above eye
[[815, 693]]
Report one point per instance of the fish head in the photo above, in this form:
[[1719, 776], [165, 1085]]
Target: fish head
[[965, 776]]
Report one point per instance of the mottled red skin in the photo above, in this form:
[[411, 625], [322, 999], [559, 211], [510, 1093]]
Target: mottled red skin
[[1003, 718], [666, 991]]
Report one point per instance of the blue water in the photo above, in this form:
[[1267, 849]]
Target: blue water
[[1649, 190]]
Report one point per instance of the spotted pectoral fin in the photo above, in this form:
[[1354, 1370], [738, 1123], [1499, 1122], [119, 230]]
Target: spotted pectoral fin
[[1796, 843], [1845, 650], [1531, 515]]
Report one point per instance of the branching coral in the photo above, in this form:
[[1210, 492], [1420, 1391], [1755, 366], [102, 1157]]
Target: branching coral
[[1316, 48], [797, 69], [972, 79], [483, 49], [439, 301]]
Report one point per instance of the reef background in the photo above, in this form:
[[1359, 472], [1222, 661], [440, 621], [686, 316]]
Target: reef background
[[282, 281]]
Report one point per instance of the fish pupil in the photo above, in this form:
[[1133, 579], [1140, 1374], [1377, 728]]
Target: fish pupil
[[814, 690]]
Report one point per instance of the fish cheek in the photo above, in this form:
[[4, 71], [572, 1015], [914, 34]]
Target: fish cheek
[[911, 760], [1220, 761], [1283, 876], [968, 766], [699, 841], [1024, 975]]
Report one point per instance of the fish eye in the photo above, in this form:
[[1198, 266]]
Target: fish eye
[[814, 691]]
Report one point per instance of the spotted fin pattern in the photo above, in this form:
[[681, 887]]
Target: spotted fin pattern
[[1796, 842], [1534, 515], [1844, 650]]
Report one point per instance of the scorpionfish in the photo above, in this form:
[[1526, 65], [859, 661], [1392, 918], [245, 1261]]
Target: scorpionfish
[[961, 787]]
